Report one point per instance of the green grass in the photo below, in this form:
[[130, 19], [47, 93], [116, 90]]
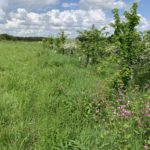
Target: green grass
[[49, 102]]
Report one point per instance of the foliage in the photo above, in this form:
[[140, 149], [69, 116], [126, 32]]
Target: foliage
[[56, 43], [92, 45], [128, 41], [48, 43], [142, 69], [60, 42]]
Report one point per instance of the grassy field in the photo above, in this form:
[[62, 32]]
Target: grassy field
[[49, 102]]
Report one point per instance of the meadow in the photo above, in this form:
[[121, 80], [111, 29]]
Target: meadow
[[48, 101]]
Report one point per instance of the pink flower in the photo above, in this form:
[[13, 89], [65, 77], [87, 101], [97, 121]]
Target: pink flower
[[118, 100], [127, 103], [119, 107], [145, 146], [97, 110]]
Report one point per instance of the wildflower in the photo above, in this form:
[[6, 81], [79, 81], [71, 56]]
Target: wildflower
[[123, 106], [146, 85], [127, 103], [147, 109], [123, 112], [119, 107], [118, 100], [145, 146], [121, 92], [97, 110]]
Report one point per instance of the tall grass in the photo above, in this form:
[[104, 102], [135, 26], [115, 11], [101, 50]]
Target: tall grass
[[48, 102]]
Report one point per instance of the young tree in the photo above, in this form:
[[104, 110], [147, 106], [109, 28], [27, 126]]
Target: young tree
[[48, 43], [56, 43], [128, 42], [91, 44], [60, 42]]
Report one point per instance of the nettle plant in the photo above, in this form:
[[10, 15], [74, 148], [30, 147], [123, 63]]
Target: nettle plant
[[92, 45], [128, 43]]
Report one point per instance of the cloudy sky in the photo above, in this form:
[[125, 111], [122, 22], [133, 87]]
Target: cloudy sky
[[47, 17]]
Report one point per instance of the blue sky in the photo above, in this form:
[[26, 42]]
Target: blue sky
[[48, 17], [144, 8]]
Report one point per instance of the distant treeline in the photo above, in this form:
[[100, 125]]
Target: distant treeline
[[15, 38]]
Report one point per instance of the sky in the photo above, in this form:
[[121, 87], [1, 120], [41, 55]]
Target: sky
[[48, 17]]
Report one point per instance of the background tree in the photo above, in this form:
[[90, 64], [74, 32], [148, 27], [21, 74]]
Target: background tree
[[91, 43]]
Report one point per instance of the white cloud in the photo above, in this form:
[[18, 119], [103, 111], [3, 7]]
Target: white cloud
[[2, 15], [3, 4], [67, 5], [23, 22], [31, 4], [144, 24], [102, 4], [14, 23]]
